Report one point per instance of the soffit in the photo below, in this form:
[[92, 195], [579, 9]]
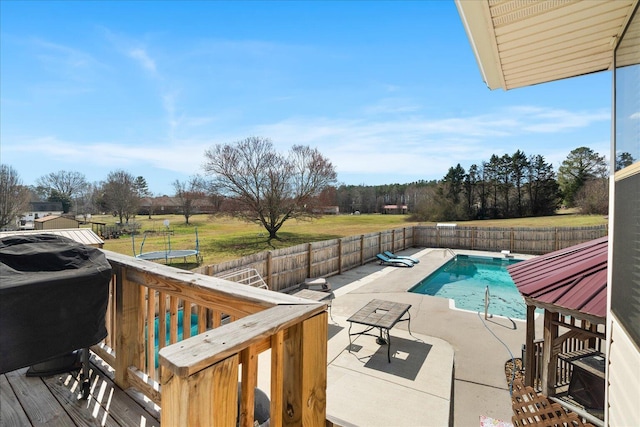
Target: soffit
[[525, 42]]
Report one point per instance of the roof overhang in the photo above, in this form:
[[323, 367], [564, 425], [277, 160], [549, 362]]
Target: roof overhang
[[521, 43]]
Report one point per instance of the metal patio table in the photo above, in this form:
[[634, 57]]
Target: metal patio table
[[383, 315]]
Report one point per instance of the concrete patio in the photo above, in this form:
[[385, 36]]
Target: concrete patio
[[449, 371]]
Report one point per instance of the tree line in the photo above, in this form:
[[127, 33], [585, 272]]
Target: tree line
[[250, 179], [507, 186]]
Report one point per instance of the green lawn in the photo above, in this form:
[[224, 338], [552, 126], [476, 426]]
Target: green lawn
[[223, 238]]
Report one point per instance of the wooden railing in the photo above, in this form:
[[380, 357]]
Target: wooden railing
[[588, 338], [195, 379]]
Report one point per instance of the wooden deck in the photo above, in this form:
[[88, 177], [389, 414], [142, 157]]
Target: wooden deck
[[52, 401]]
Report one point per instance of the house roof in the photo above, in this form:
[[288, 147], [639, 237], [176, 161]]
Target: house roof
[[85, 236], [53, 217], [571, 280], [520, 43]]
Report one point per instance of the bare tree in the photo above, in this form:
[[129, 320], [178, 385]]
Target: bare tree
[[87, 201], [267, 187], [66, 183], [120, 194], [188, 193], [14, 197]]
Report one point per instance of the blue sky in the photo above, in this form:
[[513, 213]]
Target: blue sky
[[390, 92]]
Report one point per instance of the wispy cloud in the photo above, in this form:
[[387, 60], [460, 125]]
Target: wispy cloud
[[545, 120], [143, 58]]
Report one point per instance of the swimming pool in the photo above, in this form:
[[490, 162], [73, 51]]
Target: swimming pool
[[464, 280]]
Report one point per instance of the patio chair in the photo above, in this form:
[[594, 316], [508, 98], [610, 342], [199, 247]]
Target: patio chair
[[392, 255], [385, 260]]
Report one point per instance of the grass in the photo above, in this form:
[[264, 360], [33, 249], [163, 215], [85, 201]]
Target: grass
[[223, 238]]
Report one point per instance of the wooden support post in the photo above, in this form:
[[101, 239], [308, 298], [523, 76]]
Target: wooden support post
[[206, 398], [393, 240], [314, 370], [511, 240], [404, 238], [305, 373], [549, 356], [309, 260], [362, 249], [269, 269], [128, 347], [339, 256], [530, 362]]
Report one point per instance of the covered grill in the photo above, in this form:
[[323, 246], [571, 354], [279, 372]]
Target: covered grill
[[53, 298]]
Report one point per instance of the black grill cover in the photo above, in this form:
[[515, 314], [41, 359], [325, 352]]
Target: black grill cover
[[53, 298]]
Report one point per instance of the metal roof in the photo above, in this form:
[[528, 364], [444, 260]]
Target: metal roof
[[522, 42], [85, 236], [572, 280]]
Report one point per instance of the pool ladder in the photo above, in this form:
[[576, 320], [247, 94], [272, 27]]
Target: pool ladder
[[450, 251], [487, 297]]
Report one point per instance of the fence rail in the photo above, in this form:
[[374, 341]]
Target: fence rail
[[285, 268]]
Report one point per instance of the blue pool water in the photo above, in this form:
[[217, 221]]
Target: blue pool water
[[194, 330], [464, 280]]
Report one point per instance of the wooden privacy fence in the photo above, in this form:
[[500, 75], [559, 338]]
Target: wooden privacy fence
[[287, 267]]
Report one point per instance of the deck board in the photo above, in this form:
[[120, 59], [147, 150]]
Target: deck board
[[52, 401], [11, 413]]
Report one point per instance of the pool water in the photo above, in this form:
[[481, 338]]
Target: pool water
[[465, 278]]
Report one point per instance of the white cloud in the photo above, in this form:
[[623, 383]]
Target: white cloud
[[143, 58]]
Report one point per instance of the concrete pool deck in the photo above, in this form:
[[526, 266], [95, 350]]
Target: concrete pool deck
[[448, 371]]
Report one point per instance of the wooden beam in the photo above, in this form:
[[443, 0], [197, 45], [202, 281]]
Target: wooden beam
[[549, 359], [530, 362]]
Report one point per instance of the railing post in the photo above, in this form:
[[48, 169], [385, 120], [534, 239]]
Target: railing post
[[362, 249], [206, 398], [129, 350], [305, 374], [249, 360]]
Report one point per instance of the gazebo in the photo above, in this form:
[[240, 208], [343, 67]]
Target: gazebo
[[570, 285]]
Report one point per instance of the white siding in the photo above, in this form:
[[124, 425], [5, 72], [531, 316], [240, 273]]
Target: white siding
[[624, 377]]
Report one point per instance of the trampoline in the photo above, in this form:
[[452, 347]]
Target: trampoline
[[168, 254]]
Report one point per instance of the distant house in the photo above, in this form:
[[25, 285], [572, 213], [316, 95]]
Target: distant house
[[395, 209], [55, 222], [39, 210], [327, 210], [172, 205]]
